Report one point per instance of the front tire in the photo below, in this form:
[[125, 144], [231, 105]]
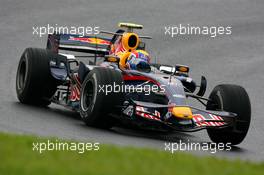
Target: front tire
[[34, 82], [95, 105], [231, 98]]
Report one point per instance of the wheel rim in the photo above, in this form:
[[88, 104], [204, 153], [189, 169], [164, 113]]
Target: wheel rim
[[21, 79], [87, 96]]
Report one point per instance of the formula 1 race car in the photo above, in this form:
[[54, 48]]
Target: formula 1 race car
[[121, 85]]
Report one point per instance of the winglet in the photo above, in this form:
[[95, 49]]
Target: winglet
[[130, 26]]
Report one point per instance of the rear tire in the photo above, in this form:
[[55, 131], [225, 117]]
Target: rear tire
[[95, 105], [34, 82], [230, 98]]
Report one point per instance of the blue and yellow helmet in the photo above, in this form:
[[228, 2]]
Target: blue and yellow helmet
[[139, 60]]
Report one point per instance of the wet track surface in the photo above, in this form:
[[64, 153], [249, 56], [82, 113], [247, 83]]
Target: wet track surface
[[236, 58]]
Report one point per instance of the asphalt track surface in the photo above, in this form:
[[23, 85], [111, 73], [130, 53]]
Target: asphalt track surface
[[236, 58]]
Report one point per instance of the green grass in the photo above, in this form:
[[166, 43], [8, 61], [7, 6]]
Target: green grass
[[17, 157]]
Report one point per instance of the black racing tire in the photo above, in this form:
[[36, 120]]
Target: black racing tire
[[95, 105], [230, 98], [34, 82]]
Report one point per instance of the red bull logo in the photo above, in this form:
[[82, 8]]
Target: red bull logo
[[90, 40]]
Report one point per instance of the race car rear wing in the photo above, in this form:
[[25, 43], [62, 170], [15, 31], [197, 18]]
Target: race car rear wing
[[88, 44]]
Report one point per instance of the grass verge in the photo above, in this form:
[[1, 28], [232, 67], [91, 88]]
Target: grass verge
[[17, 157]]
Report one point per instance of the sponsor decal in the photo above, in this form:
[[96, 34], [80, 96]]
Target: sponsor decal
[[200, 120], [75, 89], [75, 93], [90, 40], [143, 112]]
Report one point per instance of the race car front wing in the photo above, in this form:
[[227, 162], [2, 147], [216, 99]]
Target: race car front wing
[[200, 119]]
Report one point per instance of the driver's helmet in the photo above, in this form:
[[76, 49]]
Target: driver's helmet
[[139, 60]]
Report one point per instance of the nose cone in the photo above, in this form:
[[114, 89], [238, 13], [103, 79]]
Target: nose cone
[[182, 112]]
